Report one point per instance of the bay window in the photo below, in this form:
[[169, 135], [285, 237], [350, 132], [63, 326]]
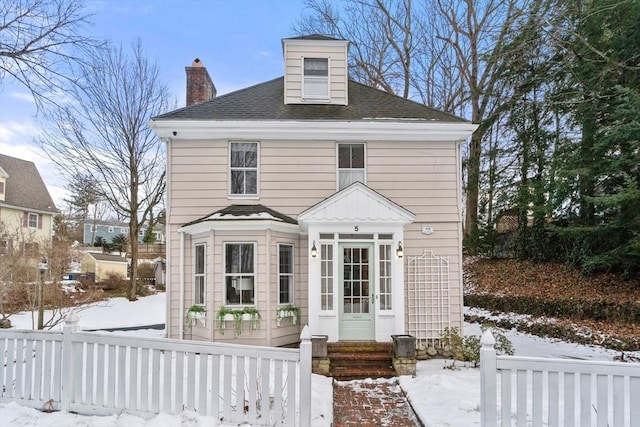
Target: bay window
[[285, 274], [239, 273]]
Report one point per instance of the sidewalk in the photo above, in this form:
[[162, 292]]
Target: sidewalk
[[371, 403]]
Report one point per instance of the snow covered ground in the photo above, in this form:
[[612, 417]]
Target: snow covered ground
[[440, 397]]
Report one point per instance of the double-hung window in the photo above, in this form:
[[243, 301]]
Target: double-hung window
[[351, 165], [285, 274], [316, 78], [33, 220], [199, 274], [243, 169], [239, 273]]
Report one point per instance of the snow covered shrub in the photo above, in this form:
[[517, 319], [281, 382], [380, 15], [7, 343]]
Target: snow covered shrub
[[467, 349]]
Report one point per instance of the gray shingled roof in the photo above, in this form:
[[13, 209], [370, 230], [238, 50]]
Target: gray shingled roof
[[264, 101], [313, 37], [25, 188], [244, 213]]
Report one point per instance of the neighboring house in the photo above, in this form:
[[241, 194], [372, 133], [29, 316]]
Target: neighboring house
[[109, 229], [315, 191], [26, 207], [103, 265]]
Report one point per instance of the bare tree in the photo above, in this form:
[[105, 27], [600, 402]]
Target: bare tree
[[103, 133], [381, 33], [442, 51], [39, 41], [475, 33]]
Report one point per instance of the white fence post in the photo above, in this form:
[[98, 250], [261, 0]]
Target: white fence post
[[488, 379], [305, 377], [66, 382]]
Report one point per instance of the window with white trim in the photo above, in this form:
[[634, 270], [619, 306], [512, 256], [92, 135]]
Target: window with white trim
[[326, 277], [285, 273], [243, 168], [384, 290], [351, 164], [316, 78], [33, 220], [239, 273], [199, 274]]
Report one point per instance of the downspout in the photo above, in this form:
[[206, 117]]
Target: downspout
[[180, 314]]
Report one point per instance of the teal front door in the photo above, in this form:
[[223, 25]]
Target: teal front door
[[356, 292]]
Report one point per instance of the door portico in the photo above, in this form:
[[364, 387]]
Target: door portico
[[350, 299]]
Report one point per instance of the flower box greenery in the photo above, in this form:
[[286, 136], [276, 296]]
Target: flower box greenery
[[288, 311], [195, 313], [237, 316]]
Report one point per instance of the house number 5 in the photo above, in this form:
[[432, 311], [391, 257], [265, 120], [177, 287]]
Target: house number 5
[[356, 228]]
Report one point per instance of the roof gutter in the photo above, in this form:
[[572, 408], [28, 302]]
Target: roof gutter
[[307, 131]]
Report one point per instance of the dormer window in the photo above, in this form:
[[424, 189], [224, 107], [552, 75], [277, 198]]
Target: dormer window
[[316, 78]]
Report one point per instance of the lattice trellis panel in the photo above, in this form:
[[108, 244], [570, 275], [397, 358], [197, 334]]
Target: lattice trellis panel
[[427, 296]]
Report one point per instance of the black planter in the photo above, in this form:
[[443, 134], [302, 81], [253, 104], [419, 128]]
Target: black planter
[[404, 346]]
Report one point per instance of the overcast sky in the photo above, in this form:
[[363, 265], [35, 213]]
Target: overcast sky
[[239, 41]]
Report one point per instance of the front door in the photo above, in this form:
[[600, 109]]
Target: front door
[[356, 292]]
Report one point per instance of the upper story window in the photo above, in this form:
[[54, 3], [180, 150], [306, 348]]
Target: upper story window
[[243, 169], [239, 273], [350, 164], [316, 78], [1, 188], [33, 220]]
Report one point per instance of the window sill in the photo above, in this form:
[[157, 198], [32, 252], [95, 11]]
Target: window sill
[[243, 197], [316, 100]]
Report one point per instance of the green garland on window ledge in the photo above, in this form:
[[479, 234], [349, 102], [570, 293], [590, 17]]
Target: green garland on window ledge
[[237, 314], [284, 311]]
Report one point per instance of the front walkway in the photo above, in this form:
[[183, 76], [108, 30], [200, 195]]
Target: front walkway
[[369, 403]]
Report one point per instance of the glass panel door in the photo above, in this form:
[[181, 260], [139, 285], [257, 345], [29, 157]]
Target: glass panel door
[[356, 307]]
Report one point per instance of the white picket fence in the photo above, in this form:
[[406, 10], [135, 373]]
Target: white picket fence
[[556, 392], [101, 374]]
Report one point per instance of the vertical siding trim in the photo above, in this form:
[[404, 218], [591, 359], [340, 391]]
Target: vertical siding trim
[[181, 267], [267, 281], [460, 236], [212, 282], [168, 231]]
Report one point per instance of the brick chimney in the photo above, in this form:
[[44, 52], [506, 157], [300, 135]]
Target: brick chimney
[[200, 87]]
